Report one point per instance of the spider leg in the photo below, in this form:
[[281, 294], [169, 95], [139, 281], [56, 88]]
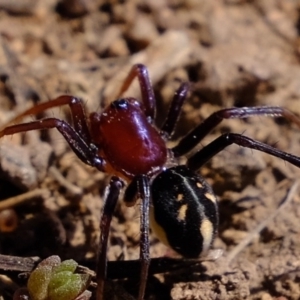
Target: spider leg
[[206, 153], [139, 187], [174, 111], [144, 193], [200, 131], [141, 72], [83, 150], [77, 111], [111, 199]]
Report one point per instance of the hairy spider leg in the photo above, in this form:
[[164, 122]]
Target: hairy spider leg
[[77, 111], [83, 150], [206, 153], [199, 132], [168, 127], [141, 72], [143, 184], [110, 201]]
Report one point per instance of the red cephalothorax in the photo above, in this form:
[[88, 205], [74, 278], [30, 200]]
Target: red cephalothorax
[[124, 128]]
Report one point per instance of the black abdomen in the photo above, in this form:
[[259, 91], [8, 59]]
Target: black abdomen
[[185, 210]]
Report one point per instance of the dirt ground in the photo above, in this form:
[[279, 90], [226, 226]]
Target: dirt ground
[[235, 53]]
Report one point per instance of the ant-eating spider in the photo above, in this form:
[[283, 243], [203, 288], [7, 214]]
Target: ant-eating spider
[[123, 141]]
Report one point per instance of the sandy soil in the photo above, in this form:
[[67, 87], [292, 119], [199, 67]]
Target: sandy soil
[[236, 53]]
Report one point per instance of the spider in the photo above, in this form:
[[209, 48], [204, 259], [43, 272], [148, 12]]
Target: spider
[[123, 141]]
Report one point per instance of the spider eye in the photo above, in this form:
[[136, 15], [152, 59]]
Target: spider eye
[[120, 104]]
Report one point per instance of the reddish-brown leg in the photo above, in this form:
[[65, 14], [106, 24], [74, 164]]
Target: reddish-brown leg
[[84, 151], [77, 111], [110, 202], [141, 72], [174, 111]]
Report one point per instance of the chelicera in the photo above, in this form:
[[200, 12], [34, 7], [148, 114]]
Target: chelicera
[[123, 141]]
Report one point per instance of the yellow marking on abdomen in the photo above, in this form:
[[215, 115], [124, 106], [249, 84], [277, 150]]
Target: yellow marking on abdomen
[[207, 232], [210, 197], [182, 212]]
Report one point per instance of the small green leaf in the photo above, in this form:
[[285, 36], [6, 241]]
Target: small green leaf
[[53, 280], [66, 265], [39, 279], [64, 286]]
